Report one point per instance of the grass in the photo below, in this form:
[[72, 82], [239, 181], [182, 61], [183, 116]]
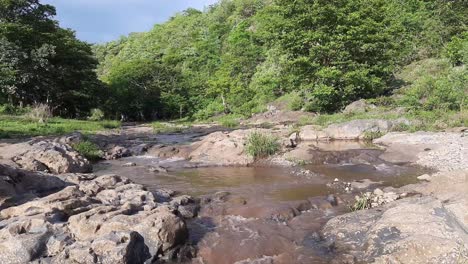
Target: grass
[[166, 128], [362, 202], [261, 146], [371, 135], [18, 126], [89, 150]]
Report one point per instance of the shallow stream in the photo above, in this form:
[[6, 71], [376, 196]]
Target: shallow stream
[[269, 214]]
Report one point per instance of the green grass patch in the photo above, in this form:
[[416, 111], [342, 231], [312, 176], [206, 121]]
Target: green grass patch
[[261, 146], [89, 150], [19, 126], [166, 128]]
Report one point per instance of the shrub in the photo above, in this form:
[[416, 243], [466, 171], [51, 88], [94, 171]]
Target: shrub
[[40, 113], [8, 109], [89, 150], [262, 146], [361, 202], [371, 135], [96, 115]]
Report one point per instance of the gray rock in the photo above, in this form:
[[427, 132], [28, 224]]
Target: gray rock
[[359, 106], [117, 153], [54, 157]]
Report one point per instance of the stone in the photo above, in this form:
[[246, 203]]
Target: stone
[[129, 164], [378, 192], [424, 177], [359, 106], [117, 152], [157, 169], [413, 230], [54, 157]]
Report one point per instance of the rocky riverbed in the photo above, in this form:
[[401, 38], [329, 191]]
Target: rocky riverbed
[[290, 208]]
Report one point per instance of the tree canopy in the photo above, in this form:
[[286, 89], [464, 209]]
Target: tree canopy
[[43, 63]]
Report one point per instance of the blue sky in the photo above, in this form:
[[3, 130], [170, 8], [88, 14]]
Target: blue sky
[[99, 21]]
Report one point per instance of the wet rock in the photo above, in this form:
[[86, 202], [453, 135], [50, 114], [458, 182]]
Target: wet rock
[[129, 164], [157, 169], [139, 149], [332, 200], [293, 140], [117, 152], [54, 157]]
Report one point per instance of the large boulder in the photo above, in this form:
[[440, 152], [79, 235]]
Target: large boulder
[[223, 148], [54, 157], [415, 230], [105, 219], [352, 130], [359, 106], [17, 185]]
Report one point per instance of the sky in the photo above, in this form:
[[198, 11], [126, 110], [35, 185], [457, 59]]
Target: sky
[[98, 21]]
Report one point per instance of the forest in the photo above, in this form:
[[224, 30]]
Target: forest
[[237, 56]]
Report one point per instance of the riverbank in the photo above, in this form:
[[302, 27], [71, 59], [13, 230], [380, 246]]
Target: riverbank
[[63, 215]]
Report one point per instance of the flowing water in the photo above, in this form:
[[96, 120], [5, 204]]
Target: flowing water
[[269, 214]]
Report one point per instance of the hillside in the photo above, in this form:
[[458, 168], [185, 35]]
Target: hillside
[[237, 56]]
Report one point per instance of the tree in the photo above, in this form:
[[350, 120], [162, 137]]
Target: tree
[[43, 63]]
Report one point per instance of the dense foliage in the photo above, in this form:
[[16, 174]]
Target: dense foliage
[[240, 54], [43, 63], [235, 57]]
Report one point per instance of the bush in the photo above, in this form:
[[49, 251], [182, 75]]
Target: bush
[[89, 150], [96, 115], [40, 113], [262, 146], [8, 109]]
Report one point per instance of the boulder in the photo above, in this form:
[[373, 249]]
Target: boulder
[[222, 148], [54, 157], [413, 230], [359, 106], [17, 185], [352, 130], [117, 152]]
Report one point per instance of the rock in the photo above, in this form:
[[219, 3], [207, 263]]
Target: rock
[[129, 164], [157, 169], [117, 153], [18, 185], [293, 140], [312, 133], [363, 184], [139, 149], [352, 130], [75, 137], [378, 192], [54, 157], [359, 106], [103, 219], [23, 241], [225, 149], [424, 177], [332, 200], [447, 151], [413, 230]]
